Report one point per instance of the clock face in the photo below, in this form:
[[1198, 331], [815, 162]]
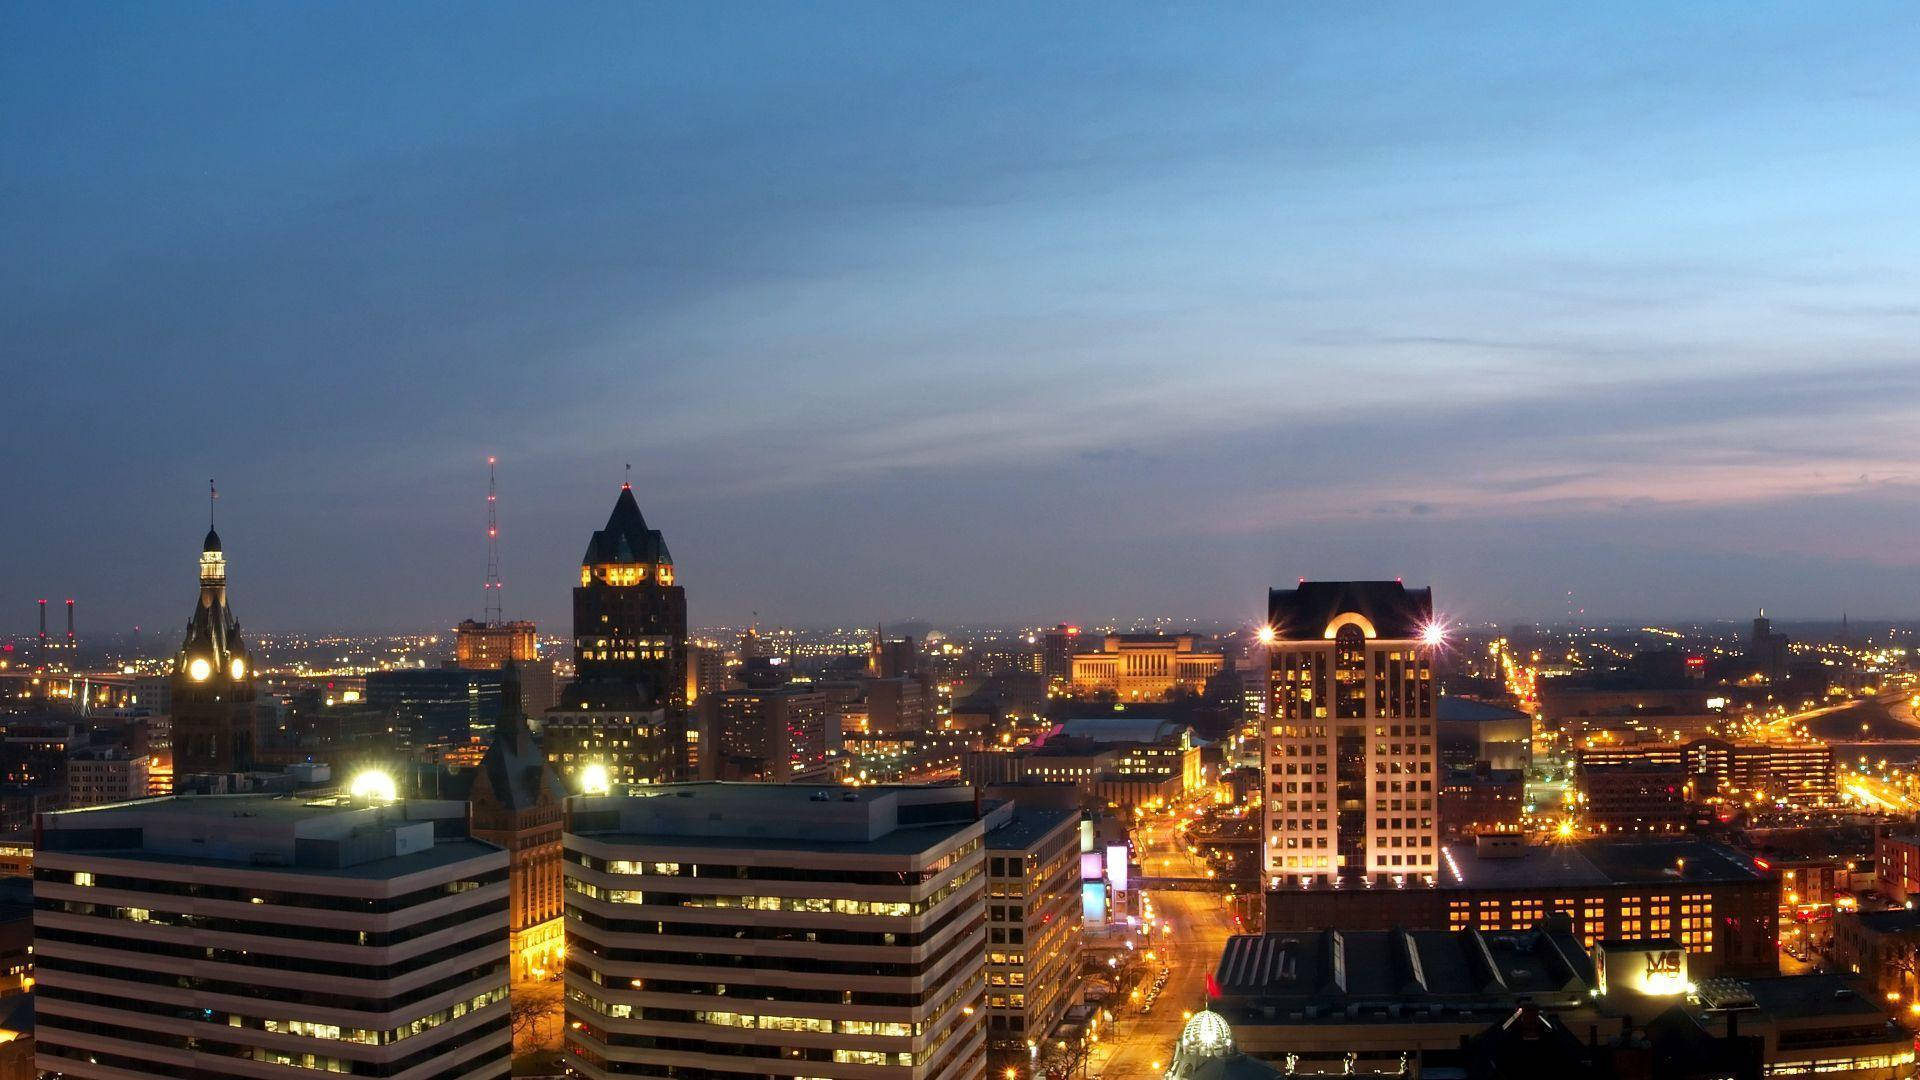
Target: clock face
[[198, 669], [238, 669]]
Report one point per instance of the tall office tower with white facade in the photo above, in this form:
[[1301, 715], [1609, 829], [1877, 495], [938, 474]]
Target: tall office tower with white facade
[[1349, 744]]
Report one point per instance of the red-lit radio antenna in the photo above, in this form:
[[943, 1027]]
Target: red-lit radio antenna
[[493, 548]]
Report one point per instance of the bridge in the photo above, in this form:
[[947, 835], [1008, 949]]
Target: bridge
[[1182, 884]]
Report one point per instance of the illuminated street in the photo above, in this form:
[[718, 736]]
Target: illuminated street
[[1200, 924]]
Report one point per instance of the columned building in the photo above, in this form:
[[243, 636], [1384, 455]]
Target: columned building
[[760, 930], [259, 936], [1144, 667], [626, 708], [1349, 750], [214, 730]]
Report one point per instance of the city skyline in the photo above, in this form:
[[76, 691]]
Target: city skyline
[[921, 315]]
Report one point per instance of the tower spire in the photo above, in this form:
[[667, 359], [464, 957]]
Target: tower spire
[[492, 591], [626, 482], [213, 496]]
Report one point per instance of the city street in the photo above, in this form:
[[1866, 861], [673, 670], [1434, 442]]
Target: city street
[[1200, 924]]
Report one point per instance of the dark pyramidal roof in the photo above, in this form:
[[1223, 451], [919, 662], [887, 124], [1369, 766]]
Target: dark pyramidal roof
[[626, 539], [212, 542], [1395, 611]]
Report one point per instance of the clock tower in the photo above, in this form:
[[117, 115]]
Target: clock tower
[[213, 691]]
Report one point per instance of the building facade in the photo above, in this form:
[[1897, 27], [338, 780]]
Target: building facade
[[212, 696], [753, 930], [105, 776], [1480, 800], [1723, 907], [1349, 754], [1033, 922], [1803, 772], [262, 936], [1144, 667], [1635, 796], [480, 646], [776, 734]]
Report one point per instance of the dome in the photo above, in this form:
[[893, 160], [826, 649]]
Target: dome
[[1207, 1035], [212, 544]]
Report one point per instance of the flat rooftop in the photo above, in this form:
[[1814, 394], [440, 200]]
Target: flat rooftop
[[334, 836], [1404, 966], [1798, 997], [1026, 827], [895, 819], [1896, 921], [1593, 863]]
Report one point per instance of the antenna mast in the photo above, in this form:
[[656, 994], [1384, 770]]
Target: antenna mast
[[493, 550]]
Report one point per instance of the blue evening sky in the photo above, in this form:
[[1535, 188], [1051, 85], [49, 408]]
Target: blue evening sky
[[986, 311]]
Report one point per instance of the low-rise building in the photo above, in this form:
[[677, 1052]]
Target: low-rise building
[[105, 775], [1882, 947], [1479, 800], [1529, 1002], [1803, 772], [1896, 860], [1720, 904], [1635, 796]]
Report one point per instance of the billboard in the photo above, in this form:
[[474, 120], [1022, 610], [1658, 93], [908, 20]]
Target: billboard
[[1093, 902]]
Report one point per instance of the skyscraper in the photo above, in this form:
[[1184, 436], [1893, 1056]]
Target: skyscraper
[[1349, 750], [626, 707], [213, 722]]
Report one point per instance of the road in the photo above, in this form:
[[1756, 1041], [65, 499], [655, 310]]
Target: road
[[1200, 924]]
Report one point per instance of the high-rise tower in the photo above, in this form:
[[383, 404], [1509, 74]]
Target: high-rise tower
[[627, 705], [1349, 747], [629, 618], [213, 691]]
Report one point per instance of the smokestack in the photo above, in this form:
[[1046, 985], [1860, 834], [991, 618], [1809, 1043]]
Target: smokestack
[[43, 626], [69, 626]]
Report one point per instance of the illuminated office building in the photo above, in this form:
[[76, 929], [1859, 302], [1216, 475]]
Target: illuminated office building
[[626, 707], [758, 930], [265, 936], [1350, 749], [214, 730]]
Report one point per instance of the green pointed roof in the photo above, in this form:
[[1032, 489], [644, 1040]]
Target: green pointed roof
[[626, 538]]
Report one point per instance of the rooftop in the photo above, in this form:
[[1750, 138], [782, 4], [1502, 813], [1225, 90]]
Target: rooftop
[[1027, 826], [1121, 729], [879, 820], [1598, 863], [1469, 710], [1394, 611], [332, 835], [1793, 997], [1899, 920], [1405, 966]]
